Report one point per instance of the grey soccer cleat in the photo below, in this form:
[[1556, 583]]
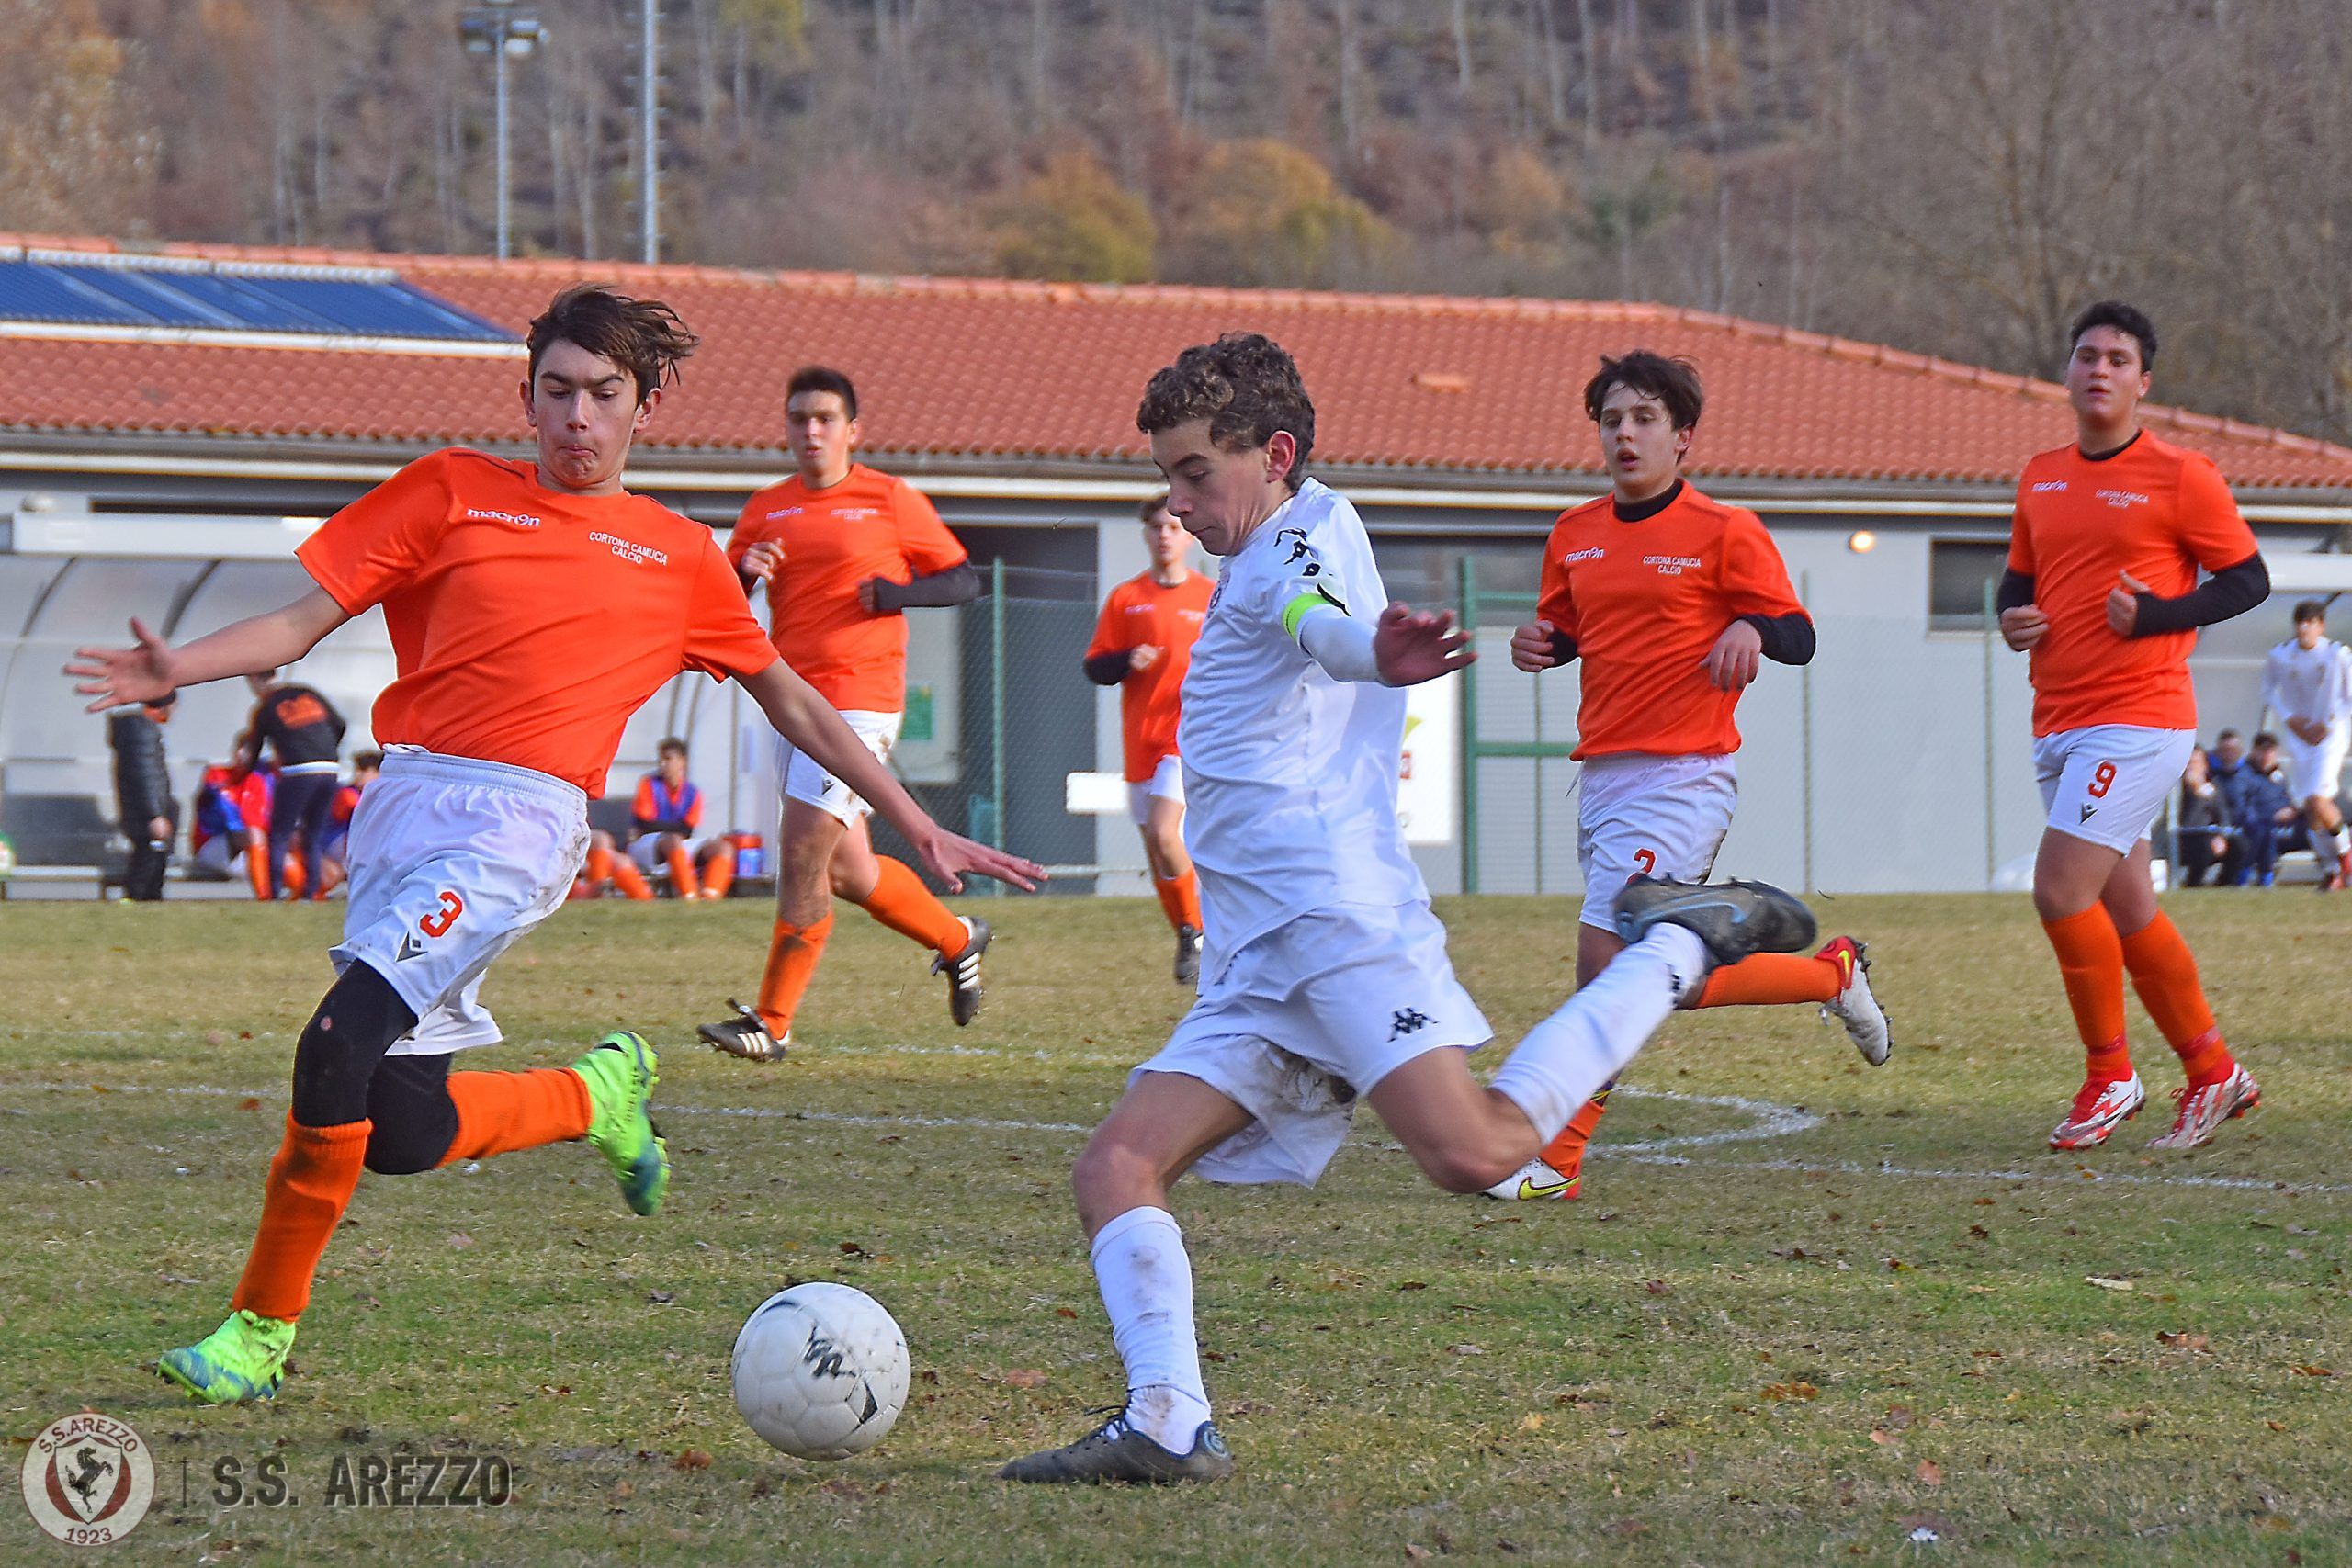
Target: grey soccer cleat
[[1735, 919], [963, 971], [1188, 955], [1117, 1451], [745, 1035]]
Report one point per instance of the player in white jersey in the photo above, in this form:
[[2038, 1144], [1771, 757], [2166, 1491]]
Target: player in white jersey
[[2307, 682], [1324, 975]]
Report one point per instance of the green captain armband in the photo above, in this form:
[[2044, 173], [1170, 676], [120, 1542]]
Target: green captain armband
[[1313, 599]]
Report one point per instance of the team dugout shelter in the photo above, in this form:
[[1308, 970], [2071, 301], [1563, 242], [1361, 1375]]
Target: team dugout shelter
[[175, 418]]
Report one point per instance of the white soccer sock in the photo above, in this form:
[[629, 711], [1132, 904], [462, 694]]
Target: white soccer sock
[[1563, 1059], [2337, 842], [1147, 1281]]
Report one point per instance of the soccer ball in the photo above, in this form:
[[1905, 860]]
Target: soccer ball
[[820, 1371]]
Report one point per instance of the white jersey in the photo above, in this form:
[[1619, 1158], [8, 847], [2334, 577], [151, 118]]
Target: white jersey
[[1290, 776], [2314, 682]]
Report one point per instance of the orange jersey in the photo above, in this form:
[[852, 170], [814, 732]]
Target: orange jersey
[[1646, 602], [528, 624], [866, 526], [2154, 510], [1139, 614]]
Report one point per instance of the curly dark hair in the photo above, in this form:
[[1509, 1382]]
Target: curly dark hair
[[823, 378], [1246, 385], [644, 337], [1674, 382]]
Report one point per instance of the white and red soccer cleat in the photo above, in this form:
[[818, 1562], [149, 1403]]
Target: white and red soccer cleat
[[2204, 1107], [1854, 1005], [2103, 1105]]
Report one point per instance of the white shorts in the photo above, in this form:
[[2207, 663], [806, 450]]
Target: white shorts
[[644, 852], [2315, 770], [1643, 816], [1309, 1016], [451, 861], [1166, 782], [214, 854], [2106, 783], [802, 780]]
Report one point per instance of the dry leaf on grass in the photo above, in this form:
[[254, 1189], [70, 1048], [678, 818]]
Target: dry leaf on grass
[[1025, 1377], [2105, 1283], [1931, 1473]]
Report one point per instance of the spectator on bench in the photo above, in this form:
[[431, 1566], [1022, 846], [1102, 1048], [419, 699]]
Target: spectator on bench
[[2268, 819], [2201, 826]]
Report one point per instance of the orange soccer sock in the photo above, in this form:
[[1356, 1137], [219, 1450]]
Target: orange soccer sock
[[257, 870], [719, 874], [311, 1184], [683, 881], [628, 879], [1769, 978], [2163, 971], [1565, 1153], [2090, 963], [598, 871], [792, 952], [500, 1113], [901, 901], [1180, 899], [297, 880]]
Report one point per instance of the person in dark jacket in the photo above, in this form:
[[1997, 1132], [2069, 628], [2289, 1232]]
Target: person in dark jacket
[[304, 734], [143, 793], [2201, 826], [2268, 817]]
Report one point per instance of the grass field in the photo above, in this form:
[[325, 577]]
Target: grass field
[[1888, 1314]]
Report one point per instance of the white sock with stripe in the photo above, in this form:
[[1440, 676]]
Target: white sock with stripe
[[1147, 1283], [1564, 1058]]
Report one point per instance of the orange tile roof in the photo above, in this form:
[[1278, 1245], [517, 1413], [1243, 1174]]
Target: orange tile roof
[[979, 368]]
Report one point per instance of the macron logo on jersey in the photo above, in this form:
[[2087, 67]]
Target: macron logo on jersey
[[2044, 487], [630, 551], [490, 514], [2124, 498], [1673, 566], [1595, 553]]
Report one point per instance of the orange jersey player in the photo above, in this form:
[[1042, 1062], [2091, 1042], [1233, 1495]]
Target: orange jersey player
[[1143, 645], [843, 551], [1671, 600], [532, 607], [2105, 548]]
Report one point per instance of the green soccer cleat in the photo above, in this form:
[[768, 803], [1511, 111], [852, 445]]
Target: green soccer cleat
[[619, 1073], [241, 1360]]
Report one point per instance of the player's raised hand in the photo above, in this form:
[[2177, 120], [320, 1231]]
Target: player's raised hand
[[1736, 658], [949, 855], [1143, 656], [762, 559], [1531, 646], [115, 677], [2124, 603], [2023, 626], [1412, 646]]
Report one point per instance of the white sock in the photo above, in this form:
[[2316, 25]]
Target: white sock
[[1563, 1059], [2338, 842], [1146, 1283]]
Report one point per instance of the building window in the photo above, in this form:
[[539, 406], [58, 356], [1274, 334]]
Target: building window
[[1958, 570]]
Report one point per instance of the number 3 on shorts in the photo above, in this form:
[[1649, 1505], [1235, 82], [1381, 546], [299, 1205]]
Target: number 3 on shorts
[[438, 924], [2102, 780]]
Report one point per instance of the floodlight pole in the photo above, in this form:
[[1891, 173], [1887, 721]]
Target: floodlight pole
[[648, 111], [499, 54], [498, 29]]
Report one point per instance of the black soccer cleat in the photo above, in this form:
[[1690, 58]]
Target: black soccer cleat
[[1115, 1451], [1188, 955], [745, 1035], [963, 971], [1735, 919]]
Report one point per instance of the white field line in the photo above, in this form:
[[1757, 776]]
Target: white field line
[[1773, 1121]]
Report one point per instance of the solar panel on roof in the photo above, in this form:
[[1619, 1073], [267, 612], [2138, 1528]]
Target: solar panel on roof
[[52, 288]]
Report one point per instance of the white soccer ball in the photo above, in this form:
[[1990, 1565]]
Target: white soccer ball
[[820, 1371]]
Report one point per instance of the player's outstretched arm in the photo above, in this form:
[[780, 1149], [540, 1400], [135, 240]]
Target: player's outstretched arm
[[1413, 646], [810, 722], [149, 669]]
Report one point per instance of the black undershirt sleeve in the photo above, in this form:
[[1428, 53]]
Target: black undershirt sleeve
[[1564, 646], [960, 584], [2232, 591], [1109, 669], [2015, 592], [1787, 639]]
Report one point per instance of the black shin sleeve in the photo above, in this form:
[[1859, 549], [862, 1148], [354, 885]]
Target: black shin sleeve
[[408, 1100], [342, 1045]]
